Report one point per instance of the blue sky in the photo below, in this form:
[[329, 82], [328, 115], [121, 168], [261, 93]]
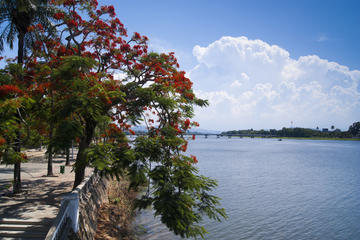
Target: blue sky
[[261, 64], [329, 29]]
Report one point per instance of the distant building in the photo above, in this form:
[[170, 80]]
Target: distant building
[[325, 130]]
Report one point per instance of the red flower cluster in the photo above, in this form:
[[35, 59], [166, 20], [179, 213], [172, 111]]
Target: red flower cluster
[[31, 28], [69, 2], [186, 123], [9, 89], [40, 27], [62, 50], [94, 3], [107, 9], [23, 156], [189, 96], [125, 47], [136, 36], [59, 15], [194, 158], [76, 17], [184, 147], [180, 82], [2, 141], [72, 23], [42, 87]]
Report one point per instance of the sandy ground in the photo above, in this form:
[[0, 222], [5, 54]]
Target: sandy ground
[[41, 196]]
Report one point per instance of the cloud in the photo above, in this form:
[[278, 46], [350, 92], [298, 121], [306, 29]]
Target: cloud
[[322, 38], [252, 84]]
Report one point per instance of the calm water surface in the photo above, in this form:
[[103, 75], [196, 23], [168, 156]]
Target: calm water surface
[[290, 189]]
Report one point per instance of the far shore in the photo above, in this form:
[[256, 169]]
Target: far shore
[[309, 138]]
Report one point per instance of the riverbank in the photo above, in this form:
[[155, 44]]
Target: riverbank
[[115, 219]]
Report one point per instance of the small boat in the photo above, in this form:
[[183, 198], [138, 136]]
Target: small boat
[[280, 139]]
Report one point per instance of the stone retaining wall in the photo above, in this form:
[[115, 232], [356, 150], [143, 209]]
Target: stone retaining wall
[[92, 193]]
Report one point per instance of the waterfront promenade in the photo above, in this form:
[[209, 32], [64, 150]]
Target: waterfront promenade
[[41, 197]]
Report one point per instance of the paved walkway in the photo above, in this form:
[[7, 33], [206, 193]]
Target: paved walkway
[[41, 196]]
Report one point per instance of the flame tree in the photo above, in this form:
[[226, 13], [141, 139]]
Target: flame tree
[[95, 74]]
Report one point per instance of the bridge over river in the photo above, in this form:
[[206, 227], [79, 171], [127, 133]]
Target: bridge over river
[[219, 135]]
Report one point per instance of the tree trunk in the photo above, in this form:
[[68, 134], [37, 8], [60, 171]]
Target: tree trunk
[[17, 165], [50, 153], [20, 56], [50, 148], [81, 161], [50, 161], [17, 178], [67, 150], [17, 148]]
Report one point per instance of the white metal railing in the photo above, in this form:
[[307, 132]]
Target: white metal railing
[[68, 216]]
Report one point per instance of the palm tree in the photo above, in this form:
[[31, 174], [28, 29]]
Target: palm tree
[[15, 18]]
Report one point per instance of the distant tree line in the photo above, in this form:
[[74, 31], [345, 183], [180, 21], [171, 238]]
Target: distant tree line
[[353, 131]]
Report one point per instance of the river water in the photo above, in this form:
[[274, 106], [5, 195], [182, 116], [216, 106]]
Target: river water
[[290, 189]]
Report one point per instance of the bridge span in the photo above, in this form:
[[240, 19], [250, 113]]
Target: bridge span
[[219, 135]]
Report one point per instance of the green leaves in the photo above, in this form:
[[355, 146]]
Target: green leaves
[[177, 193], [9, 156], [71, 80]]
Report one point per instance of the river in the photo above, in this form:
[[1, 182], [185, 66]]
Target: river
[[290, 189]]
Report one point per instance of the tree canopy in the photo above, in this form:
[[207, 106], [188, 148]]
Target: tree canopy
[[94, 80], [354, 129]]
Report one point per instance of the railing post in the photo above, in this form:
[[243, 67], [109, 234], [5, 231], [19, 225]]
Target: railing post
[[73, 212]]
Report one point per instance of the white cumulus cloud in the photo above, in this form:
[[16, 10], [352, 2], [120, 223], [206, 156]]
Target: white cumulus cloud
[[252, 84]]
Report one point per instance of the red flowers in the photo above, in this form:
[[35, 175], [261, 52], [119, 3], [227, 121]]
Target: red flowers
[[40, 27], [184, 147], [62, 50], [180, 82], [125, 47], [23, 156], [2, 141], [131, 131], [69, 2], [72, 23], [187, 123], [194, 158], [31, 28], [136, 36], [189, 96], [8, 89], [59, 15], [107, 9]]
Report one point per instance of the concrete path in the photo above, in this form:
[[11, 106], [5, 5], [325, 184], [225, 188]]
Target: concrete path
[[40, 200]]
